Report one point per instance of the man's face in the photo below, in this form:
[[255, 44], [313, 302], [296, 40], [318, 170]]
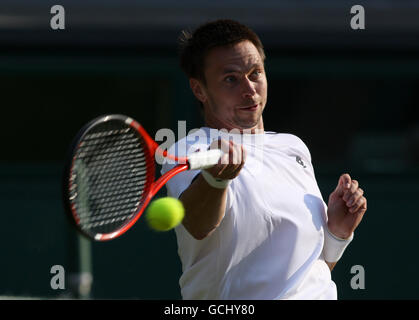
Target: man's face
[[235, 92]]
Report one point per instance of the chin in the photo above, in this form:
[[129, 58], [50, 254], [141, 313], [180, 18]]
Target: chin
[[249, 124]]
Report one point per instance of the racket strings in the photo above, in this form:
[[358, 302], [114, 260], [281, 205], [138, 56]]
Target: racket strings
[[122, 187], [107, 133], [119, 213], [133, 162], [116, 196], [110, 173], [137, 179], [117, 146], [138, 169], [109, 144]]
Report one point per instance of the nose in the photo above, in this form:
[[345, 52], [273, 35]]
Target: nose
[[248, 88]]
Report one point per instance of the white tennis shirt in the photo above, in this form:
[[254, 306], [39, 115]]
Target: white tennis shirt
[[270, 241]]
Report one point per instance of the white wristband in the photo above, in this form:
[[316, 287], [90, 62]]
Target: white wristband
[[215, 182], [333, 246]]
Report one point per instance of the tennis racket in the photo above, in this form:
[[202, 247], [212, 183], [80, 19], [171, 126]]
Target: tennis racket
[[109, 175]]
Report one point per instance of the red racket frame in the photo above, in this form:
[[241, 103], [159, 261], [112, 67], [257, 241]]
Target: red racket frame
[[151, 148]]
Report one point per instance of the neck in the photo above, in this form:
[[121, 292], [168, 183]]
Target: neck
[[218, 124]]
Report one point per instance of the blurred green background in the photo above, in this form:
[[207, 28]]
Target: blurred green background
[[351, 97]]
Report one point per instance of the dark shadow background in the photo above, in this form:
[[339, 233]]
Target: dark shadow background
[[350, 95]]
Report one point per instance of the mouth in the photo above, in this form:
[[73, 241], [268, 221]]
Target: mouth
[[250, 108]]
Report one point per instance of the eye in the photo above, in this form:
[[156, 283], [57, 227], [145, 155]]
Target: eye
[[256, 74], [230, 79]]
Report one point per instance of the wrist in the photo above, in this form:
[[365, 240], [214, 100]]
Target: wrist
[[334, 246], [339, 234], [215, 182]]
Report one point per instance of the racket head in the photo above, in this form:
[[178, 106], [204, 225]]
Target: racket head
[[108, 174]]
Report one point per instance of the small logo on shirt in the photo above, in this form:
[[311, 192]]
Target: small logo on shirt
[[300, 161]]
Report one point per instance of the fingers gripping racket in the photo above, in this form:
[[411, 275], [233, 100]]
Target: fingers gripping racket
[[109, 175]]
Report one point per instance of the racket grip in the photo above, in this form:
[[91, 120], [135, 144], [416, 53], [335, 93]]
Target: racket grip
[[204, 159]]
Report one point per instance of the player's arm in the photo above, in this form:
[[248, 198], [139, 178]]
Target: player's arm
[[204, 208], [205, 204], [346, 208]]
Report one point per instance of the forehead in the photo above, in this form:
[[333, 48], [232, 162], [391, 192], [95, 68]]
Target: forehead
[[240, 56]]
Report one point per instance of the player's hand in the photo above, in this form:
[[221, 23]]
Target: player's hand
[[231, 162], [346, 207]]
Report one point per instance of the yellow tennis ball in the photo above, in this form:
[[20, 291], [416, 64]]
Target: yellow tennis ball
[[165, 213]]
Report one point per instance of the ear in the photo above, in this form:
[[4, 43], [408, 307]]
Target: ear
[[198, 89]]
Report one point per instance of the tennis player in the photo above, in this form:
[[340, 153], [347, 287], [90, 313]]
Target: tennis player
[[256, 225]]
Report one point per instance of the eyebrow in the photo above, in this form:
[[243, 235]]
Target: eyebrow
[[232, 69]]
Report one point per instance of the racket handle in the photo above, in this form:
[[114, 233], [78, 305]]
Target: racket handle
[[204, 159]]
